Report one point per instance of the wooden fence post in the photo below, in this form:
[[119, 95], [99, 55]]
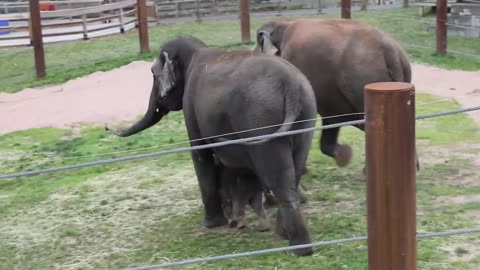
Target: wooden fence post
[[441, 26], [121, 20], [142, 25], [84, 27], [319, 10], [245, 20], [197, 11], [346, 6], [37, 39], [390, 152], [364, 5]]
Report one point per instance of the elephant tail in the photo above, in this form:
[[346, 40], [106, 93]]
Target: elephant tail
[[292, 110], [397, 63]]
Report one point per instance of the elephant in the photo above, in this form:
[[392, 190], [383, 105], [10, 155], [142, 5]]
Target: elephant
[[235, 93], [237, 189], [339, 57]]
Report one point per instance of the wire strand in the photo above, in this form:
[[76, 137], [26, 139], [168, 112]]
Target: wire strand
[[213, 145], [290, 248], [47, 159]]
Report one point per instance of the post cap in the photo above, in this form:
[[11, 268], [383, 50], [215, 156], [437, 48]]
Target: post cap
[[389, 86]]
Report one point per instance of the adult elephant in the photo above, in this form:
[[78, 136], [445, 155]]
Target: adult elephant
[[227, 93], [339, 57]]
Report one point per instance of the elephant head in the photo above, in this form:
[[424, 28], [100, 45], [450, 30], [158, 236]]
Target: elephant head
[[270, 36], [169, 72]]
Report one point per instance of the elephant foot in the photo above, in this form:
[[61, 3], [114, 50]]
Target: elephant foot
[[213, 222], [239, 224], [263, 226], [343, 154], [302, 251], [301, 237]]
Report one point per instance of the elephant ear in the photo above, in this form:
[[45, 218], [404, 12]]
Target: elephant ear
[[268, 48], [168, 77]]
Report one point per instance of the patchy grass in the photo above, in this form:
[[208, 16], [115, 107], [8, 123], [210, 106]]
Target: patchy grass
[[149, 211], [73, 59]]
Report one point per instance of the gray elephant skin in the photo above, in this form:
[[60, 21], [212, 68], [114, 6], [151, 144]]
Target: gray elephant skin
[[239, 188], [339, 57], [228, 92]]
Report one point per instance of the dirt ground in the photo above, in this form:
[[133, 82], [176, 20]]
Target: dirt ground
[[122, 95]]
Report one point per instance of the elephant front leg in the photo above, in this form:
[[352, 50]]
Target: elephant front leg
[[207, 179], [342, 153]]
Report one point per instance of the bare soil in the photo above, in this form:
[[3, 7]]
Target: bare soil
[[122, 95]]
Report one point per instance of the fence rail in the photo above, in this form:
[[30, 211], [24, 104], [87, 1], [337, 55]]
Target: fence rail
[[23, 6], [83, 22]]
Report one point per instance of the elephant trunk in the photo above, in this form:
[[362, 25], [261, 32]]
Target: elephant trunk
[[153, 115]]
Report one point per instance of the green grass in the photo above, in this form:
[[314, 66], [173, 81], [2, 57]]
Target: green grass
[[149, 211], [73, 59]]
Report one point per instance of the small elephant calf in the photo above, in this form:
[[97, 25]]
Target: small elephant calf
[[237, 190]]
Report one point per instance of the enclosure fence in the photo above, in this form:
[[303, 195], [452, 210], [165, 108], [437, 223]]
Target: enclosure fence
[[213, 145], [290, 248], [137, 14], [381, 106]]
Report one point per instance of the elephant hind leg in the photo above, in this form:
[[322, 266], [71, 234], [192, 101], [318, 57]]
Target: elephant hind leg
[[275, 167], [342, 153]]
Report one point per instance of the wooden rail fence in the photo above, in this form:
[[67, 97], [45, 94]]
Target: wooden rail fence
[[123, 12]]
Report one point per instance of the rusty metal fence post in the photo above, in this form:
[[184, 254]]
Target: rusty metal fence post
[[390, 151], [245, 20], [345, 9], [142, 25], [441, 26], [37, 39]]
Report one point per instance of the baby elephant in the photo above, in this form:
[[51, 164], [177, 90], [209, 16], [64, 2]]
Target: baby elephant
[[238, 189]]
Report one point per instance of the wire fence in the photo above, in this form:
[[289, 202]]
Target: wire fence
[[290, 248], [412, 31], [50, 156], [237, 141], [213, 145]]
